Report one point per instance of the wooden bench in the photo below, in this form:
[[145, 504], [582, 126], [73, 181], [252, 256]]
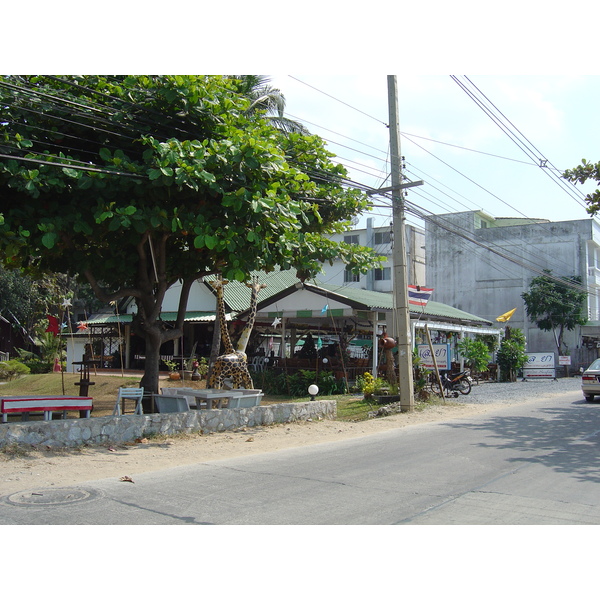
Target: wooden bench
[[45, 404]]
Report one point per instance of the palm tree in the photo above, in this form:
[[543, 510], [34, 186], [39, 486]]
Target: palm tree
[[266, 98]]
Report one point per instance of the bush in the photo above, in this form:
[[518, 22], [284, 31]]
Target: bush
[[11, 369], [475, 353], [38, 365], [296, 385]]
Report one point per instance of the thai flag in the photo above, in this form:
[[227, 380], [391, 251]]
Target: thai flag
[[419, 296]]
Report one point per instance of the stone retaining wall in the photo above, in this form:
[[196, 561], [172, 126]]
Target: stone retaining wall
[[111, 430]]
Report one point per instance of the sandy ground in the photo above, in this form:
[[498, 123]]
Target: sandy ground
[[31, 469]]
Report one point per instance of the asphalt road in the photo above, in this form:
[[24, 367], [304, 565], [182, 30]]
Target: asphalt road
[[530, 463]]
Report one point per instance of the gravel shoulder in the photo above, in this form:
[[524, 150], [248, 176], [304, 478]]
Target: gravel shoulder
[[40, 468]]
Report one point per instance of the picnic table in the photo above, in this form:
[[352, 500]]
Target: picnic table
[[45, 404]]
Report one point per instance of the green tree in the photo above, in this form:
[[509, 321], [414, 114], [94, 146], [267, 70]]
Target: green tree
[[264, 97], [582, 173], [511, 355], [475, 352], [134, 183], [556, 304]]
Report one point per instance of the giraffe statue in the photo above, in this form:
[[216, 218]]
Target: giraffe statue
[[245, 335], [233, 363]]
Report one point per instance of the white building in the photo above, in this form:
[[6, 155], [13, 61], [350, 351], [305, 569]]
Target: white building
[[380, 239]]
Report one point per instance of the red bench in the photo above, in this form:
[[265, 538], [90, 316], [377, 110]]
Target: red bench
[[45, 404]]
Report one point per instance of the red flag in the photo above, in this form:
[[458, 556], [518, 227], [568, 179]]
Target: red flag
[[52, 325]]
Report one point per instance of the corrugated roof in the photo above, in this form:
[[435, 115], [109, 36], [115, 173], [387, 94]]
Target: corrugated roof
[[385, 301], [190, 316], [237, 294]]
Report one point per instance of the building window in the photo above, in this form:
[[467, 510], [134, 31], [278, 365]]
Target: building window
[[383, 237], [350, 277], [384, 274], [352, 239]]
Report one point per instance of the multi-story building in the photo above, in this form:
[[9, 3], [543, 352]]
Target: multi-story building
[[381, 240], [482, 265]]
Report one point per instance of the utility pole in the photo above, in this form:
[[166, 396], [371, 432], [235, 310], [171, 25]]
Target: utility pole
[[402, 312]]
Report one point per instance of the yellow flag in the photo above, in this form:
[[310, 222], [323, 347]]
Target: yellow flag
[[506, 316]]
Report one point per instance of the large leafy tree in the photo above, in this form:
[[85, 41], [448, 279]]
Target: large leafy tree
[[134, 183], [556, 304]]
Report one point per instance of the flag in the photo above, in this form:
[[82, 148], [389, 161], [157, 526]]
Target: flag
[[52, 325], [419, 296], [506, 316], [325, 309]]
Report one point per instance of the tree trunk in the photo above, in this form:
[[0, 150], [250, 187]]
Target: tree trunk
[[153, 340]]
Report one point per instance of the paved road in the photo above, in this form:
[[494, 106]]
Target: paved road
[[531, 463]]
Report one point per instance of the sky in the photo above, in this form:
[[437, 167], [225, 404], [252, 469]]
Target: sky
[[466, 159]]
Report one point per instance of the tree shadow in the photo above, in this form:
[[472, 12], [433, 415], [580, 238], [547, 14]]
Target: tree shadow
[[565, 439]]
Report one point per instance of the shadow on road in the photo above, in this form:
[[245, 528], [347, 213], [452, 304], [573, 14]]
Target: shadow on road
[[566, 439]]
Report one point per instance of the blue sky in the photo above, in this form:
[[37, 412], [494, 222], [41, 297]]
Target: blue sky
[[466, 160]]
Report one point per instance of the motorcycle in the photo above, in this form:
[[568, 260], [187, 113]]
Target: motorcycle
[[453, 385]]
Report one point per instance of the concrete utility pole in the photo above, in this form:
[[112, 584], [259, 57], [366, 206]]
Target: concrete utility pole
[[402, 312]]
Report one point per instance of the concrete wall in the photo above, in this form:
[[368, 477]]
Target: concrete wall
[[470, 276], [112, 430]]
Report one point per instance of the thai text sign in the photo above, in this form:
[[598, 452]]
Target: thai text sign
[[540, 365], [441, 353]]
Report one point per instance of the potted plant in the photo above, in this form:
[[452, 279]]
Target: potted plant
[[199, 369], [172, 366]]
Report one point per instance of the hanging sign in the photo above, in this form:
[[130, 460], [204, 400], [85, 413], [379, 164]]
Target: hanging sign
[[442, 356]]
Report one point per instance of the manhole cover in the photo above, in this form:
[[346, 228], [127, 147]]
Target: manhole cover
[[47, 497]]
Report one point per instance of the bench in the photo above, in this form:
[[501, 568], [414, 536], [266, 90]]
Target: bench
[[135, 394], [45, 404], [170, 403], [246, 400]]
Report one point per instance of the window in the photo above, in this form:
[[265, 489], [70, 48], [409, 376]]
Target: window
[[383, 237], [352, 239], [350, 277], [384, 274]]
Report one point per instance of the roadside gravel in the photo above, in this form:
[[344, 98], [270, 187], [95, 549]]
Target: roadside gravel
[[518, 391]]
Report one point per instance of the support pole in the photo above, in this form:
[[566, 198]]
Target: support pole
[[407, 399]]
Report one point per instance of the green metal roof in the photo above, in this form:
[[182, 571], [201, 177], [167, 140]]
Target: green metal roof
[[385, 301], [237, 294], [190, 316]]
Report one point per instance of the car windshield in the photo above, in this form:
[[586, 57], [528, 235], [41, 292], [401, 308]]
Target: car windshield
[[595, 366]]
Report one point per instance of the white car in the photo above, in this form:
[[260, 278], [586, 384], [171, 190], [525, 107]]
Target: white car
[[590, 380]]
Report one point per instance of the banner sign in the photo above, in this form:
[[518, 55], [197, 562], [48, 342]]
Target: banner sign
[[441, 353], [540, 365]]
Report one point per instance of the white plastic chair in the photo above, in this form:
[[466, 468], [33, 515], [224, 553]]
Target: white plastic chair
[[136, 394]]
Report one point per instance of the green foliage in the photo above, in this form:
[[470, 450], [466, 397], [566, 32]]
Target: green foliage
[[511, 355], [296, 385], [369, 385], [475, 353], [11, 369], [556, 304], [159, 179], [582, 173]]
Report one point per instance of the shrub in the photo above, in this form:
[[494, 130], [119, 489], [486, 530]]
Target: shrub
[[12, 368]]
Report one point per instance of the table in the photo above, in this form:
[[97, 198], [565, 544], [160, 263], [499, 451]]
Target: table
[[45, 404], [210, 395]]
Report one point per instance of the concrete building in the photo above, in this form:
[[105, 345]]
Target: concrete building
[[482, 265], [379, 238]]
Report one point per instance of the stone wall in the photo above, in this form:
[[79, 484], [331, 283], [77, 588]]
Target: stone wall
[[111, 430]]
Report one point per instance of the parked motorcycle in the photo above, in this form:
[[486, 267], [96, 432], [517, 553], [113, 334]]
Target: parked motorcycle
[[453, 385]]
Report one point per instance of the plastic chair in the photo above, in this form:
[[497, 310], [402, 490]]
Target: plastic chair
[[136, 394]]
